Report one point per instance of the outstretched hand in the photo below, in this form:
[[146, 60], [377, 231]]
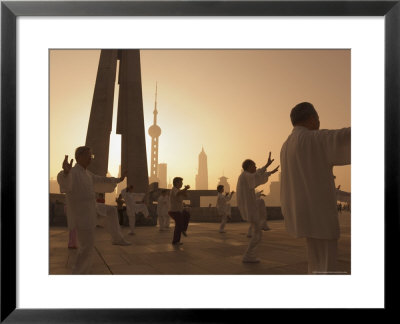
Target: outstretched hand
[[274, 170], [269, 160], [67, 166], [123, 176], [187, 187]]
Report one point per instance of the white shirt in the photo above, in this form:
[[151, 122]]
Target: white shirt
[[162, 205], [222, 203], [308, 193], [132, 200], [80, 186], [245, 192], [176, 201]]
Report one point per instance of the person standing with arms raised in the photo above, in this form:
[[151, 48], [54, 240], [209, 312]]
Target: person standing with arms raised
[[178, 214], [80, 186], [249, 179]]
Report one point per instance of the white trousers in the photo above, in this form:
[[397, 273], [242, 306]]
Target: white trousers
[[132, 221], [255, 239], [322, 255], [111, 224], [84, 258], [163, 220], [224, 219], [262, 215]]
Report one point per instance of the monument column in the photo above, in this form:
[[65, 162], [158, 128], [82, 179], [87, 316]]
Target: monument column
[[130, 121], [100, 121]]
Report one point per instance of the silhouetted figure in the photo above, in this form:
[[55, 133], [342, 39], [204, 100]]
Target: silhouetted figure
[[177, 212], [52, 211], [120, 207], [80, 186], [162, 210], [100, 208], [308, 193], [250, 178], [223, 207], [134, 205]]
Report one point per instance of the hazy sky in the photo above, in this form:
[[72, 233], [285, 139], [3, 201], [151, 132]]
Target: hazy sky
[[234, 103]]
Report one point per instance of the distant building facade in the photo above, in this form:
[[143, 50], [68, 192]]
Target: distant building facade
[[202, 176], [224, 182], [54, 186], [274, 196], [162, 175]]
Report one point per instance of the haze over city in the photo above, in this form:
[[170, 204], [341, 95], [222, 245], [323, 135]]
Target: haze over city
[[233, 103]]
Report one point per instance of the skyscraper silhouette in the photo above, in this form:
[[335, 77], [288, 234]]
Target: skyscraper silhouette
[[202, 176], [224, 182], [154, 132], [162, 175]]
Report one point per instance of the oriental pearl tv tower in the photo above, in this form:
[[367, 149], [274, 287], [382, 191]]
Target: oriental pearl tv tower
[[154, 132]]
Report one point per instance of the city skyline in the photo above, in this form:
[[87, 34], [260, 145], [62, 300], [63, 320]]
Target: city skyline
[[236, 103]]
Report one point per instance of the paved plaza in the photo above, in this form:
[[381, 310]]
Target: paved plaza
[[205, 251]]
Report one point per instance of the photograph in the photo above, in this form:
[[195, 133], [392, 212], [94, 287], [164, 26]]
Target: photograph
[[200, 161]]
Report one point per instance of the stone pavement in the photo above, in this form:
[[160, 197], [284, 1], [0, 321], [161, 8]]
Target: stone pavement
[[205, 251]]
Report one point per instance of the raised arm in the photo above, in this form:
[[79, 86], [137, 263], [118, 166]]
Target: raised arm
[[63, 178]]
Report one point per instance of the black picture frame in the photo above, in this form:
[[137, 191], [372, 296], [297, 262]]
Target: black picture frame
[[10, 10]]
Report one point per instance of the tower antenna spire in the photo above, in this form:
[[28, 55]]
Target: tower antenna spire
[[155, 112]]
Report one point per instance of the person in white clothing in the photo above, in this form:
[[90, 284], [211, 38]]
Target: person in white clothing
[[223, 207], [308, 193], [250, 178], [262, 213], [108, 215], [162, 210], [134, 204], [80, 186]]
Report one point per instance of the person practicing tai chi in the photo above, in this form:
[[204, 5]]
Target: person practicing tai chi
[[134, 204], [162, 210], [308, 193], [249, 179], [177, 212], [262, 214], [223, 207], [80, 186]]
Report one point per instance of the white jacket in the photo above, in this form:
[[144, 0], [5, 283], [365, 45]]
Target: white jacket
[[80, 186], [308, 195], [245, 192]]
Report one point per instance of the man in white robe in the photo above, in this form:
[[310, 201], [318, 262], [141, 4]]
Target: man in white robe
[[134, 204], [223, 206], [162, 210], [308, 194], [250, 178], [80, 186]]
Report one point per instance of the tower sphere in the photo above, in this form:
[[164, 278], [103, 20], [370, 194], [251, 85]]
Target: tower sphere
[[154, 131]]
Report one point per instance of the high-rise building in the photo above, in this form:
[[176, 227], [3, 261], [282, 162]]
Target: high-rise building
[[202, 175], [154, 132], [162, 175], [274, 197], [224, 182]]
